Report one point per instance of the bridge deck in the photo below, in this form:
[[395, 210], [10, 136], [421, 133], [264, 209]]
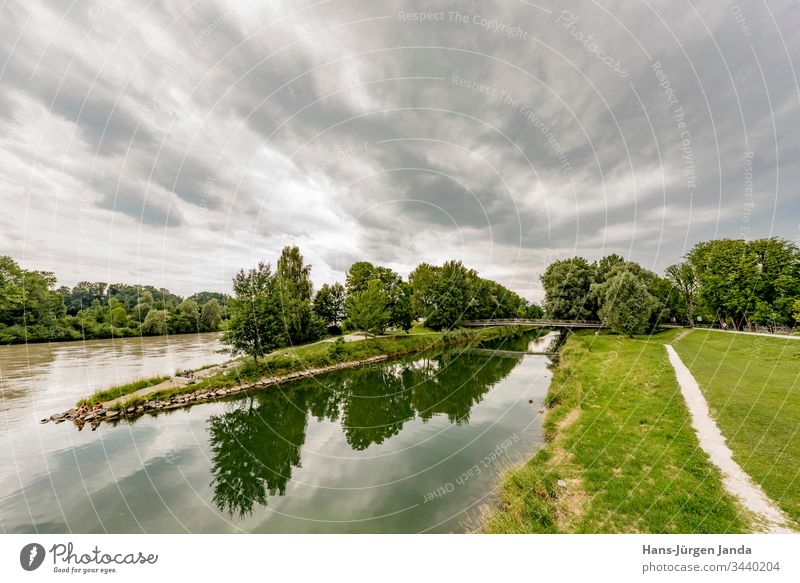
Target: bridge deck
[[536, 323], [512, 353]]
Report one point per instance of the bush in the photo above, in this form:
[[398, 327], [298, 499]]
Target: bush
[[336, 350]]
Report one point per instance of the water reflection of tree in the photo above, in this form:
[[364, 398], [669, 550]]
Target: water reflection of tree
[[376, 404], [256, 445], [254, 448], [462, 381]]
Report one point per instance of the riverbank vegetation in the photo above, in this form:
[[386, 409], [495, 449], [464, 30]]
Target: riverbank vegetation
[[751, 385], [732, 282], [33, 310], [318, 355], [270, 309], [117, 391], [621, 454]]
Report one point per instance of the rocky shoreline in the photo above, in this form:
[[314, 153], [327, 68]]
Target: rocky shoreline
[[94, 418]]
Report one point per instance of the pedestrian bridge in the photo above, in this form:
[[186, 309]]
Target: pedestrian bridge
[[570, 324]]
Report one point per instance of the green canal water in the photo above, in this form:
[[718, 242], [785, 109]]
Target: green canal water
[[411, 445]]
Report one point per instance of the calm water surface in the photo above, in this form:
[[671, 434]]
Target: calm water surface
[[37, 380], [412, 445]]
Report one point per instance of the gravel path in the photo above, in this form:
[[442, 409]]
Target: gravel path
[[746, 333], [735, 480]]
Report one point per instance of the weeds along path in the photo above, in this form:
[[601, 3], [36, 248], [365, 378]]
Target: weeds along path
[[735, 480]]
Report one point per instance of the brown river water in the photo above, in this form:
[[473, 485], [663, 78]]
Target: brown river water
[[37, 380]]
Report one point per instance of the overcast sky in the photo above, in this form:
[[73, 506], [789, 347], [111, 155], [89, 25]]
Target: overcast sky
[[174, 145]]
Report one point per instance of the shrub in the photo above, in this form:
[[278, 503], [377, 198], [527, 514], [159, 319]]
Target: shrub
[[336, 350]]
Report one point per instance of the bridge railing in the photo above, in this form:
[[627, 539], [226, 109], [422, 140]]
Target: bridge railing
[[543, 323]]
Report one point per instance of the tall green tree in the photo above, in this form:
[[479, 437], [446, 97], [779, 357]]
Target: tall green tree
[[359, 275], [449, 296], [683, 278], [421, 280], [368, 309], [747, 281], [330, 304], [119, 317], [400, 308], [256, 325], [185, 318], [29, 305], [210, 316], [568, 289], [155, 323], [398, 293], [293, 280]]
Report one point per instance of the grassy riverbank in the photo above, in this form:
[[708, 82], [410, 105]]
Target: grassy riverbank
[[752, 385], [621, 453], [313, 356], [121, 390]]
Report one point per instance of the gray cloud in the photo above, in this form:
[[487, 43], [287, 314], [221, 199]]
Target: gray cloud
[[496, 131]]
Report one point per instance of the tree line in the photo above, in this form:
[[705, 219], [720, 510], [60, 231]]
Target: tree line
[[741, 284], [735, 283], [32, 309], [274, 308]]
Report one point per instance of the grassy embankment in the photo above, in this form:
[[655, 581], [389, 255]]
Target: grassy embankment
[[120, 390], [317, 355], [752, 385], [620, 436]]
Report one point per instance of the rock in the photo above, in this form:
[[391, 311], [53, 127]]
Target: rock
[[220, 392], [89, 417], [140, 409], [59, 421], [112, 414], [130, 410], [55, 416], [562, 483], [44, 421]]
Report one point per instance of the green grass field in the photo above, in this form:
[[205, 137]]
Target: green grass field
[[620, 439], [752, 385]]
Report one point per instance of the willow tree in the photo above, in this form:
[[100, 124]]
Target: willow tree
[[625, 303]]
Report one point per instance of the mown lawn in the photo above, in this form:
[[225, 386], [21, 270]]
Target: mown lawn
[[752, 385], [620, 439]]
